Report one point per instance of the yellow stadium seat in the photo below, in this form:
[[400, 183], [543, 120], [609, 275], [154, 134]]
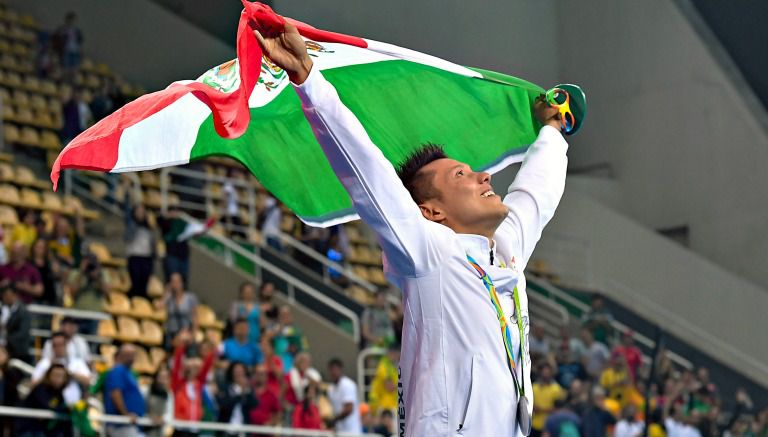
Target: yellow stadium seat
[[28, 21], [92, 81], [29, 137], [118, 303], [108, 351], [207, 318], [38, 102], [361, 271], [377, 276], [149, 179], [100, 251], [107, 328], [52, 201], [151, 333], [49, 87], [128, 329], [24, 176], [8, 216], [142, 308], [102, 69], [86, 64], [142, 364], [11, 134], [5, 46], [31, 83], [31, 198], [42, 118], [5, 95], [9, 114], [11, 16], [155, 287], [99, 189], [9, 195], [24, 116], [86, 95], [49, 140], [157, 355]]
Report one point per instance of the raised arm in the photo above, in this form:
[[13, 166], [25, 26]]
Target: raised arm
[[377, 193], [536, 191]]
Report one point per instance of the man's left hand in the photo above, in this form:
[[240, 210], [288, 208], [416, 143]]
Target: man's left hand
[[546, 114]]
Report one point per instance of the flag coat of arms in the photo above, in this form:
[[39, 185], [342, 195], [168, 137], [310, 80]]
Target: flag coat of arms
[[247, 109]]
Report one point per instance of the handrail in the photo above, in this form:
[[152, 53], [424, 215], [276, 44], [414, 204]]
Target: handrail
[[617, 326], [183, 424], [79, 314], [361, 373], [292, 281], [165, 186]]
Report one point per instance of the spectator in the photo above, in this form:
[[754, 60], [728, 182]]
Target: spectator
[[173, 228], [562, 422], [376, 325], [49, 270], [306, 414], [578, 397], [68, 42], [343, 396], [569, 367], [301, 375], [598, 320], [630, 352], [181, 308], [538, 343], [616, 378], [574, 346], [122, 395], [75, 113], [77, 369], [48, 394], [88, 287], [629, 426], [236, 398], [22, 275], [25, 231], [246, 307], [188, 377], [545, 391], [16, 323], [267, 304], [386, 426], [336, 254], [272, 216], [157, 400], [102, 104], [596, 419], [44, 56], [267, 411], [65, 241], [678, 425], [597, 355], [77, 346], [287, 338], [383, 394], [241, 347], [139, 246], [274, 366], [232, 207]]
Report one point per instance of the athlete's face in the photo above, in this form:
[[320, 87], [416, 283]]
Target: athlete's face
[[466, 202]]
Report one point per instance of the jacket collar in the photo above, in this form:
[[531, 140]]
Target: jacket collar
[[479, 248]]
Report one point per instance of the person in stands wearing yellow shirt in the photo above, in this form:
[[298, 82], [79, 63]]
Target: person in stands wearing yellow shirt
[[617, 380], [383, 394], [25, 231], [545, 391], [65, 241]]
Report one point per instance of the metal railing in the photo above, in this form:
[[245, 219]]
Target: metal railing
[[182, 424], [556, 293], [166, 187], [364, 372], [293, 284]]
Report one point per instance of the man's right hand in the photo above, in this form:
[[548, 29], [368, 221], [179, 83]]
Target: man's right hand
[[288, 51]]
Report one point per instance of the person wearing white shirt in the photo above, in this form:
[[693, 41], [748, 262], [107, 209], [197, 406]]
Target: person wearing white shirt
[[78, 370], [77, 346], [629, 426], [431, 217], [342, 393]]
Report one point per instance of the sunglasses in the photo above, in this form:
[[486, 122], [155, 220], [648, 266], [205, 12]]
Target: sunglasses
[[559, 99]]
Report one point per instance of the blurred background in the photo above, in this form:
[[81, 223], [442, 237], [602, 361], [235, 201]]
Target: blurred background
[[648, 291]]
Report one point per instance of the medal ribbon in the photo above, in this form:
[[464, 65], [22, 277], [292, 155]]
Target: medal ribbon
[[506, 334]]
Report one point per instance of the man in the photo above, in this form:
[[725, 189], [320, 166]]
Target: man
[[375, 323], [239, 348], [562, 422], [597, 419], [597, 355], [383, 394], [122, 395], [433, 215], [16, 323], [599, 320], [78, 370], [176, 250], [268, 409], [22, 275], [88, 286], [547, 392], [299, 377], [343, 396], [630, 352], [77, 346]]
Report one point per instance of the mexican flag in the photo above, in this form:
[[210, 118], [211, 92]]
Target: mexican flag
[[247, 109]]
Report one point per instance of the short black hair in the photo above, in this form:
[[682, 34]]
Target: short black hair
[[416, 181], [59, 334], [336, 362]]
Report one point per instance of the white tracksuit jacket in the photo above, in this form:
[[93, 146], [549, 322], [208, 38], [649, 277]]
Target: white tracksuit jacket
[[454, 376]]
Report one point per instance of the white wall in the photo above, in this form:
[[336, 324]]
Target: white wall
[[684, 145], [142, 41], [512, 37], [702, 303]]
